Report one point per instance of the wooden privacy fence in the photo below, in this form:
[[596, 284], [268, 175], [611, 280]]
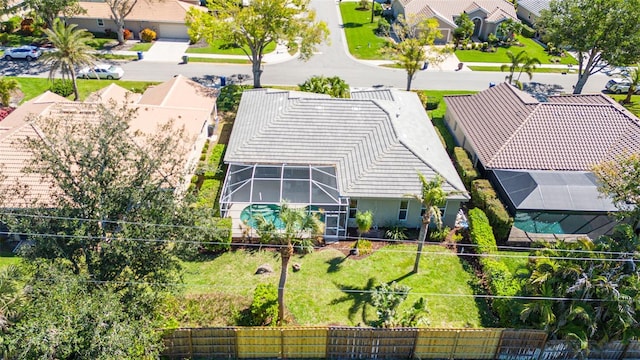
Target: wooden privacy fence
[[370, 343]]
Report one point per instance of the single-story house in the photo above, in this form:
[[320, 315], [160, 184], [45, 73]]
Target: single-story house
[[336, 157], [190, 105], [529, 10], [485, 14], [539, 155], [166, 18]]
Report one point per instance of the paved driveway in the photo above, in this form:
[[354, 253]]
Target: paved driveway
[[167, 50]]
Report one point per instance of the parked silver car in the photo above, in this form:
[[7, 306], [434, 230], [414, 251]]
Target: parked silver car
[[102, 71], [26, 52]]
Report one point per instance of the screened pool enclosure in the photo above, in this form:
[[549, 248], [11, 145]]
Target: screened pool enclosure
[[250, 190]]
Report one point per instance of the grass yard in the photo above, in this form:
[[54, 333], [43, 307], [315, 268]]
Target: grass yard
[[314, 295], [219, 47], [634, 106], [219, 61], [32, 87], [141, 47], [116, 57], [516, 261], [359, 31], [537, 70], [500, 56], [8, 258], [437, 115], [99, 43]]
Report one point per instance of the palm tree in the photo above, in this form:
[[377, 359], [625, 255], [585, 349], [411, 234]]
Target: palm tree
[[432, 197], [364, 221], [633, 77], [71, 51], [6, 87], [298, 225], [521, 62]]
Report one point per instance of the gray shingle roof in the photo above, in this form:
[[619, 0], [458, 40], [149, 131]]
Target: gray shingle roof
[[534, 6], [566, 133], [376, 145]]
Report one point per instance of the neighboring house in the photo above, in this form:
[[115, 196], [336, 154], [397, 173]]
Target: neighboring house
[[485, 14], [529, 10], [187, 103], [539, 155], [166, 18], [335, 156]]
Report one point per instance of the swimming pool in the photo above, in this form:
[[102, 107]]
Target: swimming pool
[[270, 212]]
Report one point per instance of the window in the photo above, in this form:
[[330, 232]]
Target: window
[[100, 22], [353, 208], [404, 210]]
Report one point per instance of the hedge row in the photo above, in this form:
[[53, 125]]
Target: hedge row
[[528, 31], [464, 166], [500, 279], [485, 197]]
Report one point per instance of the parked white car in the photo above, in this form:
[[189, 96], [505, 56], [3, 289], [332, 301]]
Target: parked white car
[[26, 52], [102, 71], [619, 86]]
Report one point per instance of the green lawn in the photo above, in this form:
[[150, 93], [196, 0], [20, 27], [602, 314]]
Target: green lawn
[[116, 57], [500, 56], [314, 295], [359, 31], [437, 115], [219, 47], [32, 87], [141, 47], [516, 261], [7, 258], [219, 61], [99, 43], [634, 106], [537, 70]]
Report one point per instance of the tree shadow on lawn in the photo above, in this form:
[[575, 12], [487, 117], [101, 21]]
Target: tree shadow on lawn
[[335, 263], [360, 296], [351, 25]]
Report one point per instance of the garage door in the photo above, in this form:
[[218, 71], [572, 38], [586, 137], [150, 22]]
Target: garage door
[[172, 31]]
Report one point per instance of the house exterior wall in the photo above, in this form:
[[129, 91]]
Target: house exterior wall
[[397, 9], [447, 33], [488, 28], [458, 133], [167, 30], [385, 212], [526, 15]]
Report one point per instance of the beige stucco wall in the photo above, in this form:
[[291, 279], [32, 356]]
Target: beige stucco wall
[[526, 15], [457, 131], [135, 26]]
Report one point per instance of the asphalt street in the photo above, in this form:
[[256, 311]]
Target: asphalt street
[[330, 60]]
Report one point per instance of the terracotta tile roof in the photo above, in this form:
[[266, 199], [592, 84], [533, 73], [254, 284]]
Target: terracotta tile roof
[[115, 93], [14, 156], [566, 133], [449, 9], [498, 15], [180, 92], [171, 11]]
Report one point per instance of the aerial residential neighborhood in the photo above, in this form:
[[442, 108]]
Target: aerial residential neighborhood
[[403, 179]]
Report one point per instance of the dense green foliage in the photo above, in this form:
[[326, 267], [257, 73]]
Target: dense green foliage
[[264, 308], [61, 87], [485, 197], [600, 279], [501, 281], [465, 167], [229, 97], [333, 86], [598, 31]]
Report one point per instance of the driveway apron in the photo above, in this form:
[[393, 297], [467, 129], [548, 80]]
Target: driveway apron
[[167, 50]]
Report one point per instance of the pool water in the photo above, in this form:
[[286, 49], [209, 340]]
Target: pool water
[[270, 212], [539, 224]]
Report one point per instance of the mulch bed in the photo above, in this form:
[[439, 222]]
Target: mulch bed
[[346, 246]]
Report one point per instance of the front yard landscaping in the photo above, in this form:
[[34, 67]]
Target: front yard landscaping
[[532, 48], [436, 108], [32, 87], [360, 32], [634, 106], [537, 69], [222, 48]]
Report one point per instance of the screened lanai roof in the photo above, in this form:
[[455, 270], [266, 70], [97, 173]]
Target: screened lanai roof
[[553, 190], [275, 184]]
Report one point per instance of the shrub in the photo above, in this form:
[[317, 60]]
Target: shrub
[[485, 197], [527, 31], [264, 307], [229, 97], [464, 166], [365, 247], [26, 27], [377, 9], [4, 38], [63, 88], [12, 24], [363, 5], [396, 232], [128, 35], [219, 238], [147, 35], [383, 27], [440, 234], [481, 232]]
